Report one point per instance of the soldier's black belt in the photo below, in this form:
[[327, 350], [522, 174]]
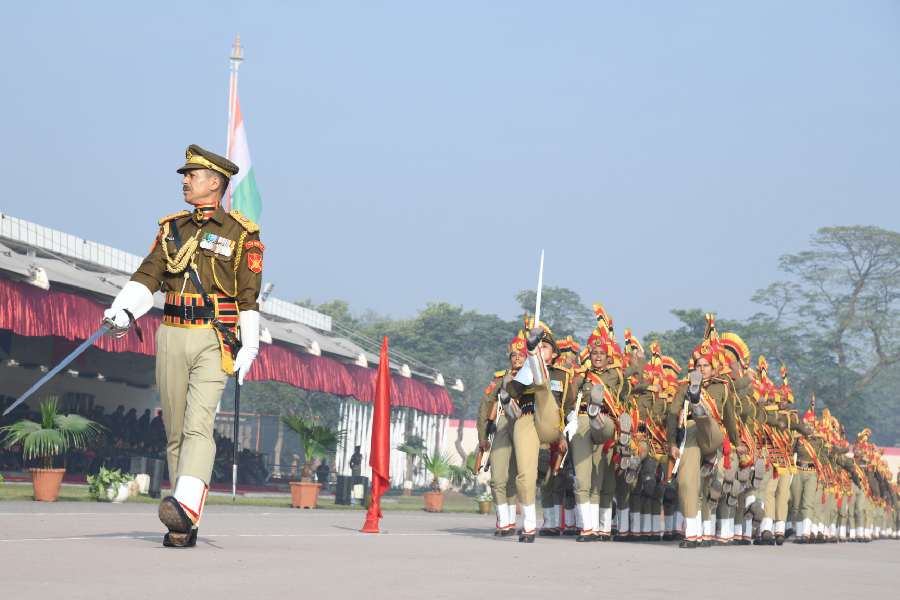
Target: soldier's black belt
[[190, 313]]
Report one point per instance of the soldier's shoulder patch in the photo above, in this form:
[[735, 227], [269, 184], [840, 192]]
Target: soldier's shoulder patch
[[246, 223], [500, 373], [177, 215]]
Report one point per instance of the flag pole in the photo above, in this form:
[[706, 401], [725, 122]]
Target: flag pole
[[237, 56]]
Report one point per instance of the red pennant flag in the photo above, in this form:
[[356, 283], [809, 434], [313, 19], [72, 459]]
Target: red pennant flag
[[380, 455]]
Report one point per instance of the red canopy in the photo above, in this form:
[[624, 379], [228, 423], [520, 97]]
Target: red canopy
[[30, 311]]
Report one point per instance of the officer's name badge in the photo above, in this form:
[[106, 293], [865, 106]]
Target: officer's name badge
[[555, 385], [217, 244]]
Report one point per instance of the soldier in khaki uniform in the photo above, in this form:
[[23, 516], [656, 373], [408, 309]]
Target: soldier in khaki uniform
[[707, 398], [536, 394], [806, 449], [194, 357], [493, 421], [600, 386], [588, 426]]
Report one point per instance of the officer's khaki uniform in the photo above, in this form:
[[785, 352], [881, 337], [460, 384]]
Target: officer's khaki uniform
[[192, 362]]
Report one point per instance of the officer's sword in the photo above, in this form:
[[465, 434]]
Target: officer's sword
[[105, 327]]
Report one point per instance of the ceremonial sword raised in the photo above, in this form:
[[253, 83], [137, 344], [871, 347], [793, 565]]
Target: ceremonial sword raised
[[107, 327]]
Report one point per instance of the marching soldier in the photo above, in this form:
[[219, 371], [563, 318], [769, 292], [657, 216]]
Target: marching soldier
[[493, 421], [208, 262], [536, 395], [698, 410]]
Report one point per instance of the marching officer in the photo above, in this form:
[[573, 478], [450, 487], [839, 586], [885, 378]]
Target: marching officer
[[208, 262]]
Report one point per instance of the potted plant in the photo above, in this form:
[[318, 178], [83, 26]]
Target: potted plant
[[439, 466], [44, 441], [318, 441], [109, 485], [413, 447], [485, 500]]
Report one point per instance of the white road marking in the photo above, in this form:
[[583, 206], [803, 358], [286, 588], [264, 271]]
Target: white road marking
[[215, 536]]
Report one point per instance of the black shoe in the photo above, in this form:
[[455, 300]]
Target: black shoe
[[689, 544], [779, 539], [508, 532], [820, 539], [173, 516], [766, 539], [526, 538], [621, 538], [705, 543], [603, 537], [180, 540], [789, 532], [570, 532], [801, 540], [588, 537], [669, 537], [544, 532]]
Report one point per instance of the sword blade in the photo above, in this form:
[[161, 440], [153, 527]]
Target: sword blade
[[62, 365], [540, 288]]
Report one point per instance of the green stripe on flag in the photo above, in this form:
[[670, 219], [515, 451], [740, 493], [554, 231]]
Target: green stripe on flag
[[245, 197]]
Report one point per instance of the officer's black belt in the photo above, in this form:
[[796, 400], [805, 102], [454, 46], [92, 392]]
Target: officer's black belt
[[190, 313]]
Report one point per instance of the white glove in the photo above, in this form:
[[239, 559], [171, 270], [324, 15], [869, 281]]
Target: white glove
[[570, 429], [249, 323], [134, 297], [572, 416]]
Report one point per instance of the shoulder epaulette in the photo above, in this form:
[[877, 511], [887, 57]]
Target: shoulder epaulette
[[177, 215], [500, 373], [246, 223]]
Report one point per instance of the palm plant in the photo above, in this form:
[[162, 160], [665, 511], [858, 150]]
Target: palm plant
[[438, 464], [317, 440], [52, 437], [413, 447]]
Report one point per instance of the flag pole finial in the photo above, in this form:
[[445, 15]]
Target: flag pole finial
[[237, 52]]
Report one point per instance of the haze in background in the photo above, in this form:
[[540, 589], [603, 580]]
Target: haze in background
[[665, 154]]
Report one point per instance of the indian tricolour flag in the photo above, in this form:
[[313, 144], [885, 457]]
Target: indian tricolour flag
[[242, 194]]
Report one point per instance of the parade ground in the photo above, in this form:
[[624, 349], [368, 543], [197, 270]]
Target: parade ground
[[80, 550]]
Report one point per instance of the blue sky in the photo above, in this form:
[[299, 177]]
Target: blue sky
[[665, 154]]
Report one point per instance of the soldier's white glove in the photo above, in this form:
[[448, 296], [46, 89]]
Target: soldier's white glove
[[249, 322], [572, 416], [134, 297], [571, 429]]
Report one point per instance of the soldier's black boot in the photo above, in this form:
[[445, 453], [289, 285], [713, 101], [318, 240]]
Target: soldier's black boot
[[779, 539], [765, 539], [526, 538], [789, 532], [180, 540], [586, 537], [820, 539], [689, 544], [173, 516]]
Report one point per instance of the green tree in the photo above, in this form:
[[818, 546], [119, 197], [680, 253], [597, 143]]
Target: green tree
[[561, 309]]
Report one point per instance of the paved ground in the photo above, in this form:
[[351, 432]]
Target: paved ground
[[95, 551]]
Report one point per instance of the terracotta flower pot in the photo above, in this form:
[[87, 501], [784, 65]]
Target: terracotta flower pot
[[434, 501], [484, 507], [46, 483], [304, 494]]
